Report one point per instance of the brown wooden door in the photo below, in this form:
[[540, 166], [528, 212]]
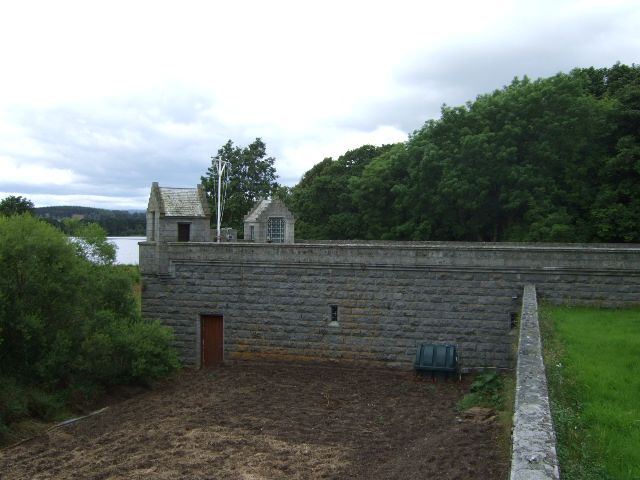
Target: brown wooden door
[[212, 335]]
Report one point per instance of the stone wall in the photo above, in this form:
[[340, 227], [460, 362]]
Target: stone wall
[[153, 222], [534, 440], [276, 299], [199, 228]]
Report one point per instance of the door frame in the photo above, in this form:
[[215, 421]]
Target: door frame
[[199, 350]]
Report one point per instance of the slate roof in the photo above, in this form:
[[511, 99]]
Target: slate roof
[[268, 206], [183, 202]]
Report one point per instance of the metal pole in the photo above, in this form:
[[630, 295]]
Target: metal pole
[[219, 185]]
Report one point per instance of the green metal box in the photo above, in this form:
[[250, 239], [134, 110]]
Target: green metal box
[[436, 358]]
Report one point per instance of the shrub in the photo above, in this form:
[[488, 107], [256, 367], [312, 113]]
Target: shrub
[[18, 401], [13, 402], [43, 286], [144, 345], [126, 352], [486, 390], [68, 325]]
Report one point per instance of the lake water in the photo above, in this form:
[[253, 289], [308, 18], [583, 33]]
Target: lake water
[[127, 252]]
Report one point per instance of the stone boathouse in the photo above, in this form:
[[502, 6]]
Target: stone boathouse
[[354, 301]]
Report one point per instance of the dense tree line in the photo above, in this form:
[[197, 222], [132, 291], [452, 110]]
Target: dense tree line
[[117, 223], [555, 159], [329, 200]]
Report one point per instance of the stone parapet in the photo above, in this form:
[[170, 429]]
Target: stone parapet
[[546, 258]]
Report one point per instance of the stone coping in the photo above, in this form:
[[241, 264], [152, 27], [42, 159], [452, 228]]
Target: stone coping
[[381, 244], [598, 259], [534, 441]]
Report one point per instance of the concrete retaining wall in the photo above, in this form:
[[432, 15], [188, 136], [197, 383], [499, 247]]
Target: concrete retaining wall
[[276, 299]]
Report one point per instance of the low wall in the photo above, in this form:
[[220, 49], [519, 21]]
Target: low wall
[[276, 299], [534, 441]]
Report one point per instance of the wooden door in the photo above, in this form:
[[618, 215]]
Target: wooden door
[[212, 340]]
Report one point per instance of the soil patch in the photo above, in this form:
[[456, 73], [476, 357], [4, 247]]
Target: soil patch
[[273, 421]]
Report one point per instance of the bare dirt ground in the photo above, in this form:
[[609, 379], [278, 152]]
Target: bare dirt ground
[[273, 421]]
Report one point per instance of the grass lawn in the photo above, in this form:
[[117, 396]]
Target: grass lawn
[[592, 358]]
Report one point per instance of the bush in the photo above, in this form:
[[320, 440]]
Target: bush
[[19, 401], [42, 288], [13, 402], [144, 344], [486, 390], [68, 325], [125, 352], [45, 405]]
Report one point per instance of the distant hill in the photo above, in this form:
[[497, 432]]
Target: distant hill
[[115, 222]]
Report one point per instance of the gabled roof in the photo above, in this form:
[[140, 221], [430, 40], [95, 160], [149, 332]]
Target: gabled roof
[[268, 206], [180, 202], [257, 209]]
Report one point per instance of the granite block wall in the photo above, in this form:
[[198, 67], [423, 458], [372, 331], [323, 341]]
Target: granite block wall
[[276, 299], [199, 231]]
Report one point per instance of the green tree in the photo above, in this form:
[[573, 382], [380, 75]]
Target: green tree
[[68, 327], [375, 191], [323, 200], [13, 205], [616, 209], [90, 240], [115, 222], [551, 160], [249, 176], [520, 163]]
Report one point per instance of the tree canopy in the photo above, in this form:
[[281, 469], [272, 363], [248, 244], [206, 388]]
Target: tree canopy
[[555, 159], [115, 222], [249, 176], [69, 327], [15, 205], [324, 200], [90, 241]]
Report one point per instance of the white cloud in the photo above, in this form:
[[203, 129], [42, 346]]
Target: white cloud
[[105, 97], [34, 174], [302, 156], [98, 201]]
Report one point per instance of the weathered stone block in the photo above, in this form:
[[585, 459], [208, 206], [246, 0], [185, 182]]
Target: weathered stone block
[[390, 297]]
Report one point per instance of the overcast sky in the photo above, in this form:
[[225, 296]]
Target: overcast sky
[[99, 99]]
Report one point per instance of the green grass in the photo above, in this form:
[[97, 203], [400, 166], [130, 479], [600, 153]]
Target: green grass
[[494, 390], [592, 358], [487, 390]]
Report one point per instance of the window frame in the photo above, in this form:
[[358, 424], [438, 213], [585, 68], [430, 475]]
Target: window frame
[[278, 226]]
